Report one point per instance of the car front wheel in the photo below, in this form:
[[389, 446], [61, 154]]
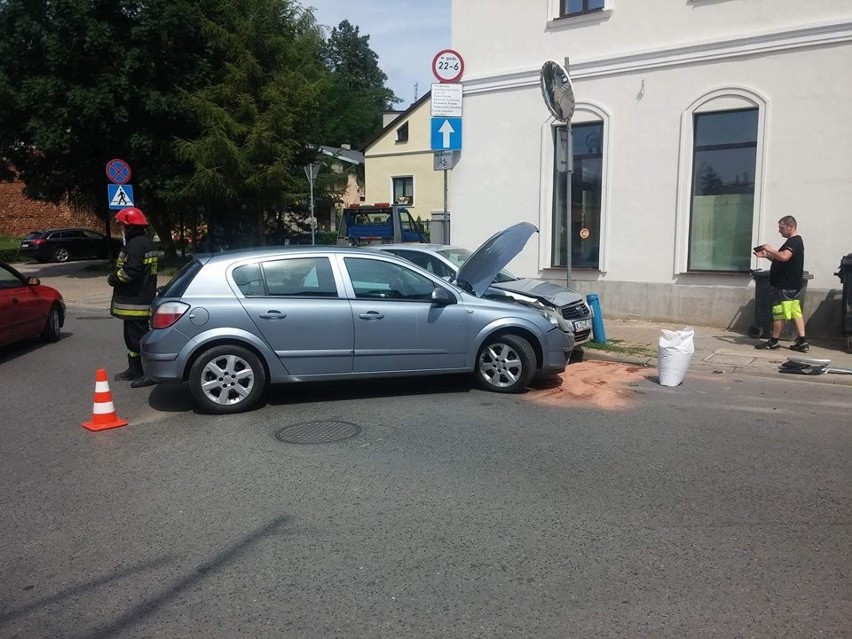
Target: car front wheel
[[51, 327], [227, 379], [61, 254], [505, 364]]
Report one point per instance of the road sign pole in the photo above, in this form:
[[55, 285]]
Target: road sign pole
[[313, 222], [311, 171], [446, 239], [569, 207]]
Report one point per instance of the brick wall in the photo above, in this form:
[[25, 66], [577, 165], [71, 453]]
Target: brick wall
[[19, 215]]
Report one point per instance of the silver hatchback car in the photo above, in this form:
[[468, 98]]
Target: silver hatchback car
[[232, 323]]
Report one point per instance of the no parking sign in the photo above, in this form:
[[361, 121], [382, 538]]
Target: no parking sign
[[118, 171]]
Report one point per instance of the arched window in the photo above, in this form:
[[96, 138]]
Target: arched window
[[588, 193], [721, 165]]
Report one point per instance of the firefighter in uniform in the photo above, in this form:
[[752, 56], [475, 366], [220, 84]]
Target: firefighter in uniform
[[134, 285]]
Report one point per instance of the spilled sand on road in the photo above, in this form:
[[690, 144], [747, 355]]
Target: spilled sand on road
[[608, 385]]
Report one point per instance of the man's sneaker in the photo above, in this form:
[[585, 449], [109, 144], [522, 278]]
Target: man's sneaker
[[771, 345], [801, 347]]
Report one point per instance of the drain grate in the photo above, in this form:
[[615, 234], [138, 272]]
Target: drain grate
[[321, 432]]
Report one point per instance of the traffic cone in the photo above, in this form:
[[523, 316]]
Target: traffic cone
[[103, 412]]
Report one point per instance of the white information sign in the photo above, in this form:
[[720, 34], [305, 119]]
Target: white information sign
[[447, 100]]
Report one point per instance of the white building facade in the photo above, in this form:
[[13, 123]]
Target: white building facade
[[698, 124]]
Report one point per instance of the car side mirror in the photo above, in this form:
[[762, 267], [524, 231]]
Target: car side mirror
[[442, 296], [33, 281]]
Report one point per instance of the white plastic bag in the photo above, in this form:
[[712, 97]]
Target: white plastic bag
[[674, 354]]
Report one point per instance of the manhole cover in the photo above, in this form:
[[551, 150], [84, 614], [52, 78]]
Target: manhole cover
[[322, 432]]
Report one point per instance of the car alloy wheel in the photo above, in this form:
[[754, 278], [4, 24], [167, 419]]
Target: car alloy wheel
[[61, 254], [505, 364], [227, 379]]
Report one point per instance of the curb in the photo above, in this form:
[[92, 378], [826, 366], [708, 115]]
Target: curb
[[623, 358]]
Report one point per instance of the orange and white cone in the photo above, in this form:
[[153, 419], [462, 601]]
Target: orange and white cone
[[103, 412]]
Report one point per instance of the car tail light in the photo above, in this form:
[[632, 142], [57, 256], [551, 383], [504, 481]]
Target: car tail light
[[168, 313], [38, 242]]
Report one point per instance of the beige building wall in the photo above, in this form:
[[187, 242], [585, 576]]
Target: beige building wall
[[388, 157]]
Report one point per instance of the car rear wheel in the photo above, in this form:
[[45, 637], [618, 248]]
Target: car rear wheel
[[505, 364], [61, 254], [52, 326], [227, 379]]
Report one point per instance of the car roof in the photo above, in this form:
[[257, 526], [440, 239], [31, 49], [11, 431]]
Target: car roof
[[65, 228], [236, 255]]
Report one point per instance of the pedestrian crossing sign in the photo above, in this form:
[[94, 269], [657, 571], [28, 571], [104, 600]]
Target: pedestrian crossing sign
[[119, 196]]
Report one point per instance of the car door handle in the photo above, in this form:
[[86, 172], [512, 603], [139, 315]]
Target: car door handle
[[372, 315], [276, 315]]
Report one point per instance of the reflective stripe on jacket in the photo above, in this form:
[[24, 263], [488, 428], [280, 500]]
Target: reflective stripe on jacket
[[136, 272]]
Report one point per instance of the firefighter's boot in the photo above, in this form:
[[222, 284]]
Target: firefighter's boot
[[141, 380], [134, 369]]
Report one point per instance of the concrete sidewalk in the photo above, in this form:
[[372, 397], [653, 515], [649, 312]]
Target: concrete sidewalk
[[83, 284], [719, 350]]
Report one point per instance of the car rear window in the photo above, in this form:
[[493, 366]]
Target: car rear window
[[34, 235], [176, 286]]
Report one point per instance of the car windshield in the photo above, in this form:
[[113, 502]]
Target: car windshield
[[459, 256]]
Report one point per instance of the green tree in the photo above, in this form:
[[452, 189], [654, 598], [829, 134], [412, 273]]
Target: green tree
[[255, 115], [355, 96], [216, 104], [82, 82]]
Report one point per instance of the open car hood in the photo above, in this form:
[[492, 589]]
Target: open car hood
[[477, 273]]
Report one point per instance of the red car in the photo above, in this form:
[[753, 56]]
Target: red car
[[27, 308]]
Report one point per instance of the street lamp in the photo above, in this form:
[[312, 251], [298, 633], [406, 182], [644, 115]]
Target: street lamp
[[311, 172], [558, 93]]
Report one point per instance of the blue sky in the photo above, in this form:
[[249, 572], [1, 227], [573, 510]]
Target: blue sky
[[405, 34]]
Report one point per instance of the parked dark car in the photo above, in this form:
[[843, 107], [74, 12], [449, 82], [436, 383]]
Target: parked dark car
[[28, 308], [62, 245]]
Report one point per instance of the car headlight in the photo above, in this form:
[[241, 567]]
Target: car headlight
[[551, 317]]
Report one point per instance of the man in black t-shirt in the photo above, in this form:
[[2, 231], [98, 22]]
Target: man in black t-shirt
[[785, 283]]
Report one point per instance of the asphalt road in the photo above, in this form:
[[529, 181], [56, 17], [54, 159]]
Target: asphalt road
[[720, 508]]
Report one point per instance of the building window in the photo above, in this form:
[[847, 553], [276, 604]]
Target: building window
[[586, 193], [402, 133], [403, 190], [723, 185], [577, 7]]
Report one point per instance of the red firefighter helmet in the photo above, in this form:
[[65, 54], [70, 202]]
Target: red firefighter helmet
[[131, 215]]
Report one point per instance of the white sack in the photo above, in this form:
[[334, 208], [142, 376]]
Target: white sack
[[674, 354]]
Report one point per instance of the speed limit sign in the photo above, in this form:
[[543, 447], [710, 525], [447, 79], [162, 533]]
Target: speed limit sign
[[448, 66]]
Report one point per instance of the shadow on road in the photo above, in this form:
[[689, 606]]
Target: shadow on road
[[175, 398]]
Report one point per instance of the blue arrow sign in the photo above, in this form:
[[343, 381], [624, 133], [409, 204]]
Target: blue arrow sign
[[446, 134], [119, 196]]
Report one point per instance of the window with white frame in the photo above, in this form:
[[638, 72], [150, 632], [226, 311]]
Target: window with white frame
[[579, 7], [722, 203], [403, 190]]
